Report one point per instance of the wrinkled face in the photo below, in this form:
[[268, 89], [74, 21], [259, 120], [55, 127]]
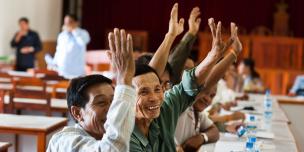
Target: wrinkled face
[[166, 83], [243, 69], [204, 99], [95, 112], [24, 26], [149, 95]]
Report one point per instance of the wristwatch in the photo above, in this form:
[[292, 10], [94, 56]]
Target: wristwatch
[[205, 137]]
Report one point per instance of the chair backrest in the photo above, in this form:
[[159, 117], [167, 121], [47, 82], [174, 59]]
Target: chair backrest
[[31, 84], [44, 71], [29, 100], [5, 78], [59, 89], [2, 94]]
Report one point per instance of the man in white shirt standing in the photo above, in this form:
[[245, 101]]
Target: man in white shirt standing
[[102, 125], [69, 59]]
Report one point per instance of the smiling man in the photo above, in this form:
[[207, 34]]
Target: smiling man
[[101, 124], [157, 113]]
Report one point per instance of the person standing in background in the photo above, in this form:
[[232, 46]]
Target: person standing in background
[[69, 60], [27, 44]]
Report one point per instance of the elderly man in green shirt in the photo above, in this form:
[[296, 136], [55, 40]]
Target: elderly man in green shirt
[[156, 113]]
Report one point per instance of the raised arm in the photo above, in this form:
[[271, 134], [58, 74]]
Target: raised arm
[[219, 69], [121, 115], [182, 50], [82, 36], [216, 53], [176, 27]]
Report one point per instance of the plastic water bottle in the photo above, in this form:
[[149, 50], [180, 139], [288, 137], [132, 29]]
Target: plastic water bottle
[[267, 107], [249, 147], [251, 132]]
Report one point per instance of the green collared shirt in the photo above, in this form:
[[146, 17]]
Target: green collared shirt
[[162, 129]]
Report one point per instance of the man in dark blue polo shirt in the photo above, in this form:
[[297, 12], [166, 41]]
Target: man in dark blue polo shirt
[[27, 43]]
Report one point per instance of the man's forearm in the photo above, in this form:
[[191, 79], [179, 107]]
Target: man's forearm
[[202, 70], [120, 122], [160, 58], [212, 133], [179, 56], [218, 71]]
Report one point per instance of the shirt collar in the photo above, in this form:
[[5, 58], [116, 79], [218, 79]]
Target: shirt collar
[[83, 131], [153, 134]]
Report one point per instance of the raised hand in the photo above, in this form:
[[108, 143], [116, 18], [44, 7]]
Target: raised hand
[[121, 56], [176, 26], [236, 45], [194, 21], [217, 42]]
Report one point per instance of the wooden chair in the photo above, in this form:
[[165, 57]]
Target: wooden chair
[[47, 75], [56, 93], [59, 97], [5, 81], [2, 104], [29, 94]]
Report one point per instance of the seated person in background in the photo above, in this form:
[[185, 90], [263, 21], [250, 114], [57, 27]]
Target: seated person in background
[[157, 115], [194, 128], [101, 124], [250, 77], [223, 121], [298, 87]]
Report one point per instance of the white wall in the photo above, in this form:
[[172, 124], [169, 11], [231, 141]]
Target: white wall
[[44, 16]]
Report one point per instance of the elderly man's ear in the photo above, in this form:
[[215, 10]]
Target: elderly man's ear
[[76, 113]]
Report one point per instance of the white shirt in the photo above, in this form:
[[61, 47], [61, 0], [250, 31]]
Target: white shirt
[[70, 53], [223, 93], [186, 125], [119, 126]]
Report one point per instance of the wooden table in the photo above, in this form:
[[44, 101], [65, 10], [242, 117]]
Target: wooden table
[[39, 126], [289, 100], [4, 146], [284, 139]]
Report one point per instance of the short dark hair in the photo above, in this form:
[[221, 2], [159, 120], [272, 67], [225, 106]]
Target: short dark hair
[[145, 59], [76, 92], [24, 19], [250, 63], [72, 16], [142, 69]]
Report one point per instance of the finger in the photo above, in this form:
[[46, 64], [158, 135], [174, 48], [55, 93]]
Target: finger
[[236, 31], [109, 55], [111, 41], [130, 44], [195, 12], [174, 12], [198, 21], [181, 22], [123, 39], [219, 30], [212, 27], [232, 29], [117, 40]]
